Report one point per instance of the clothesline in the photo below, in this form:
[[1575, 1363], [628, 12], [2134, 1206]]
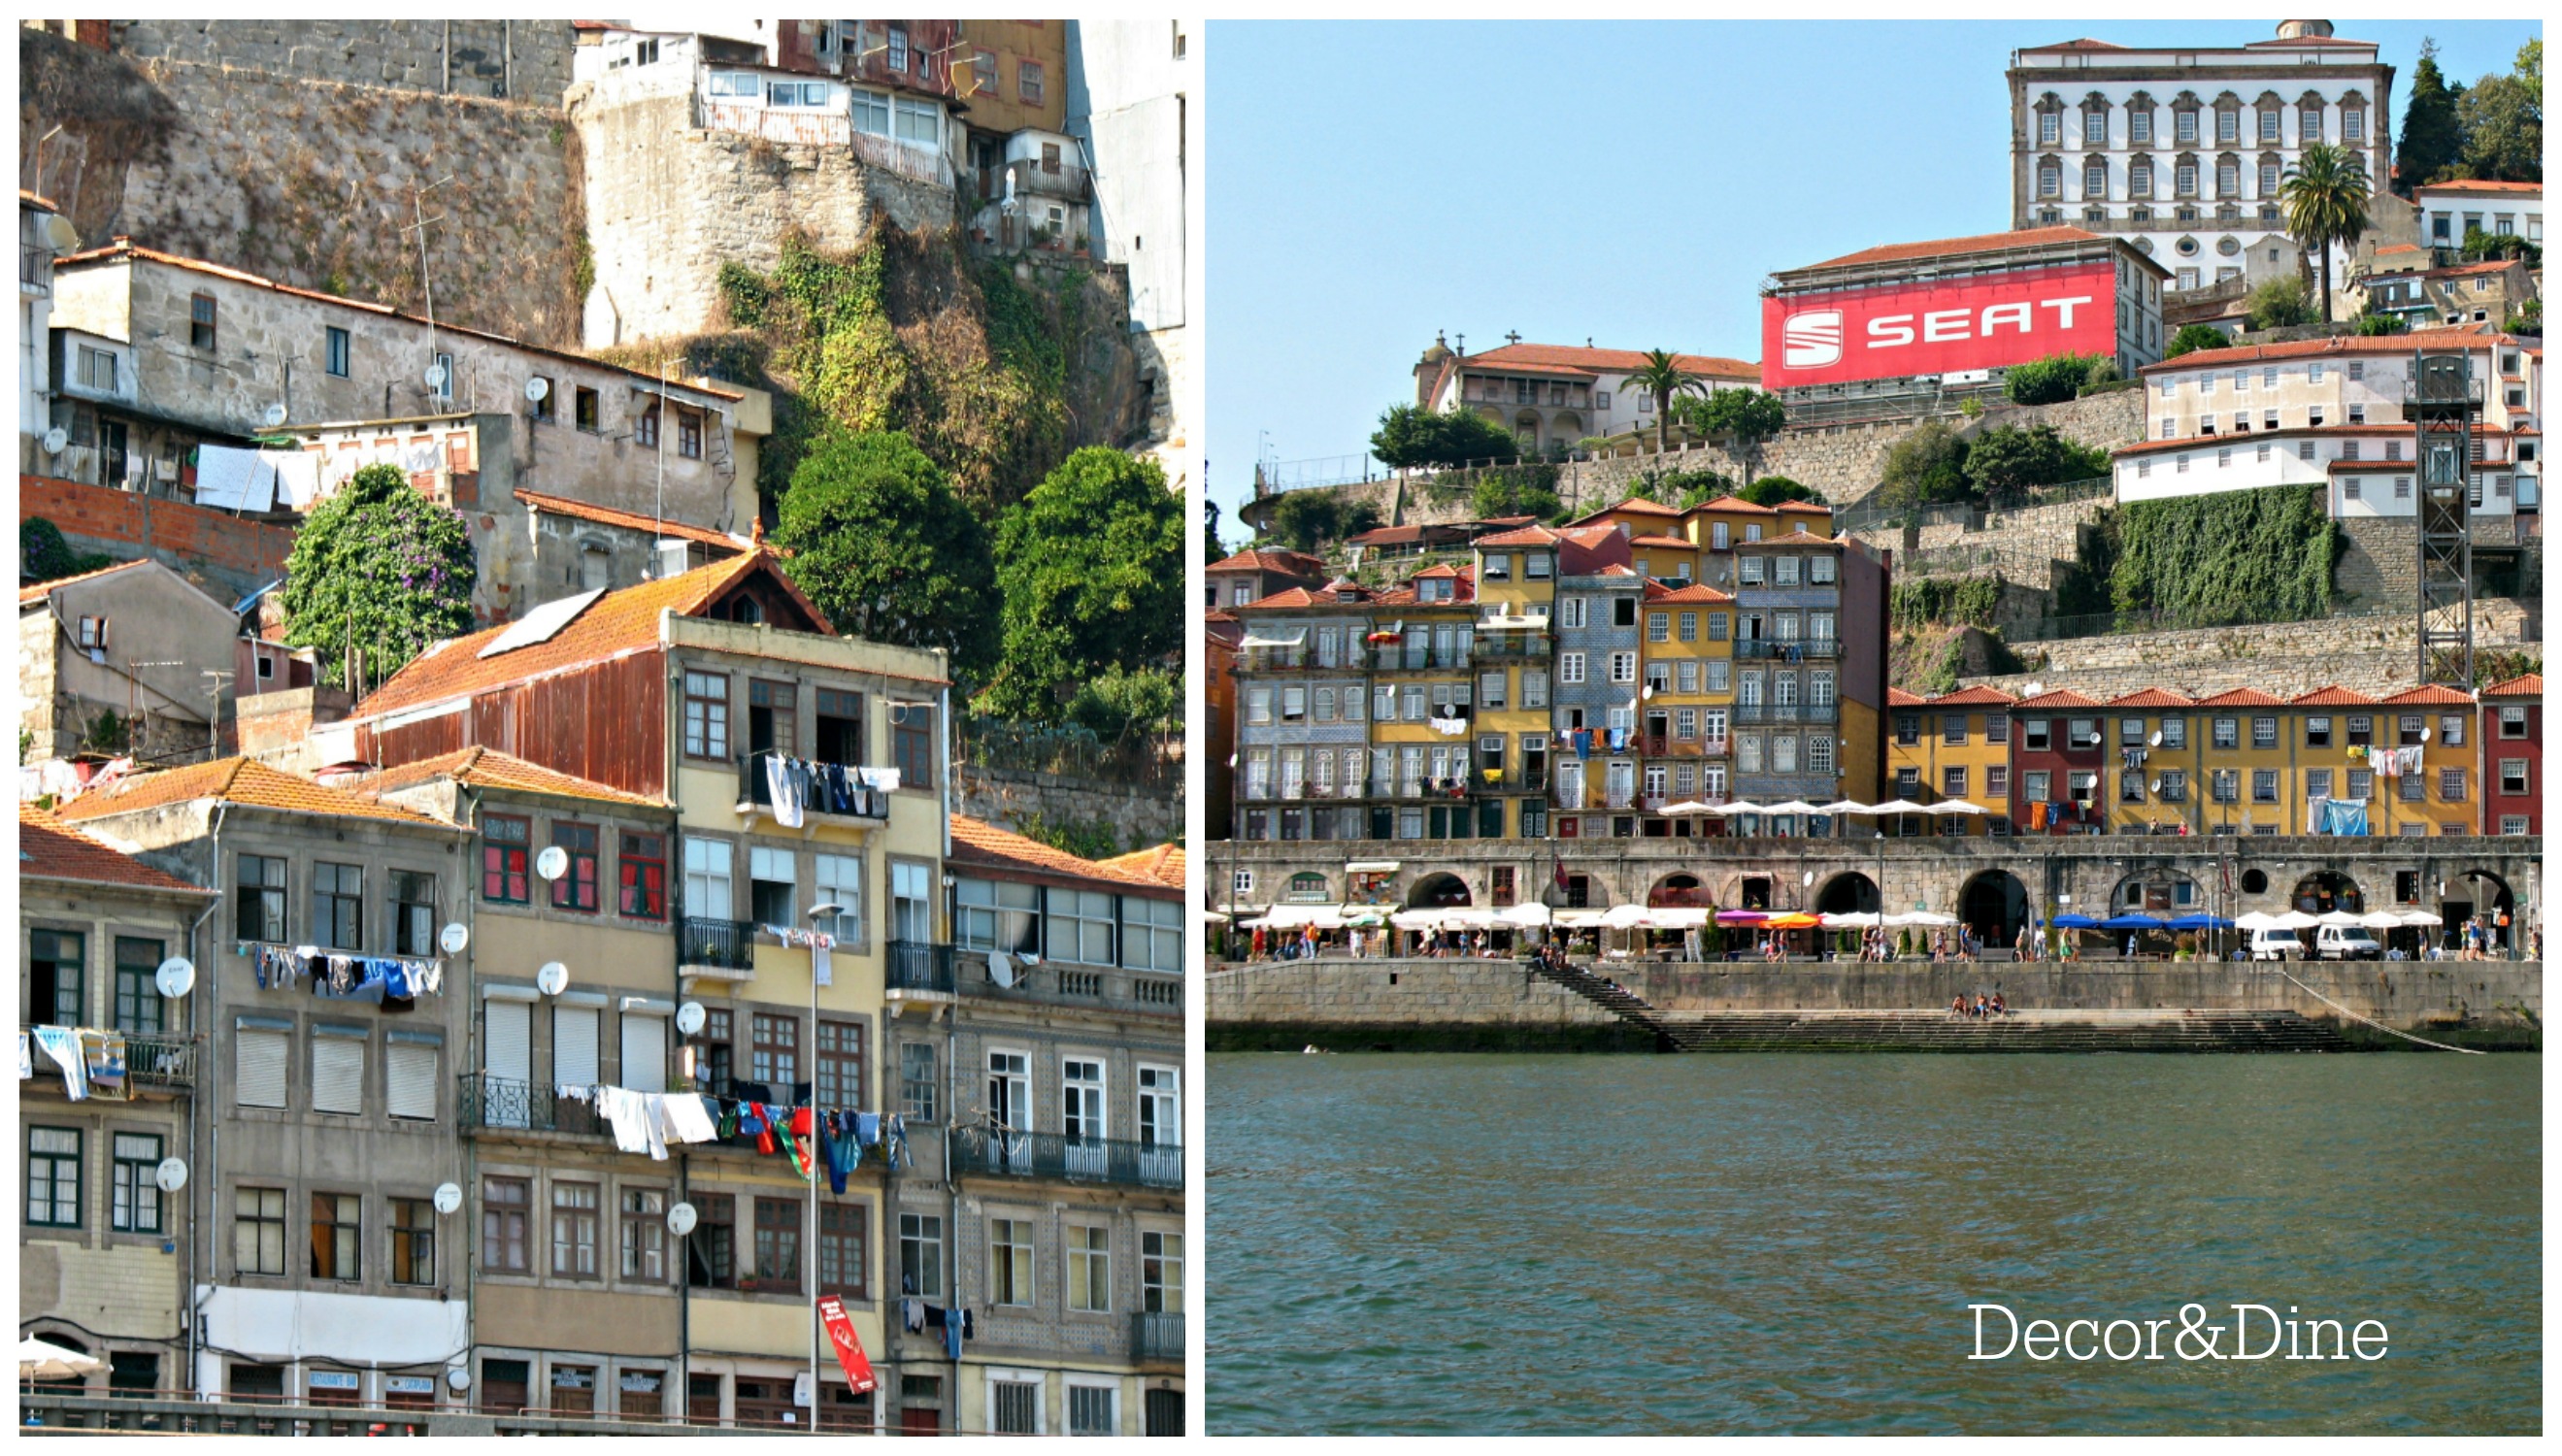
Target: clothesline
[[797, 784], [91, 1059], [646, 1122], [343, 976]]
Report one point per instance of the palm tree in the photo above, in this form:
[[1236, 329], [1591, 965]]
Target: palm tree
[[1663, 378], [2325, 201]]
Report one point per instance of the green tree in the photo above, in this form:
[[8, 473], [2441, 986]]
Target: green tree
[[2280, 303], [2007, 460], [1663, 377], [1517, 490], [1776, 490], [1927, 465], [2049, 381], [1305, 520], [2503, 122], [1409, 434], [1701, 487], [2432, 134], [382, 567], [2195, 336], [1091, 566], [880, 541], [1120, 704], [2372, 324], [2326, 205], [1743, 417], [1211, 547]]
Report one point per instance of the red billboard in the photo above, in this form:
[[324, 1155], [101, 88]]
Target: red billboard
[[1831, 337]]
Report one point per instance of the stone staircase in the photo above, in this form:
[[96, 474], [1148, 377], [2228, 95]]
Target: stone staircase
[[1936, 1030]]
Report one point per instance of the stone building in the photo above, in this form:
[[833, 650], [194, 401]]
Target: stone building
[[2451, 212], [105, 1255], [115, 660], [323, 1270], [1258, 572], [2513, 752], [1552, 397]]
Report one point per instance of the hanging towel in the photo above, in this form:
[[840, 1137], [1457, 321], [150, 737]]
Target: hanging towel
[[911, 1313], [688, 1120], [629, 1113], [779, 787], [842, 1153], [103, 1056], [26, 1057], [867, 1128], [62, 1043]]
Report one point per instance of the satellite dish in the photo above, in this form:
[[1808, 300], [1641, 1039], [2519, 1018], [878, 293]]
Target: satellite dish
[[689, 1018], [2155, 740], [536, 388], [680, 1220], [171, 1175], [60, 233], [553, 978], [453, 938], [449, 1196], [435, 376], [2425, 732], [552, 863], [274, 415], [176, 976], [55, 439], [458, 1378]]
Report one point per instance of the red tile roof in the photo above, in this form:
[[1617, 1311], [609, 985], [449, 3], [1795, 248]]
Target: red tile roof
[[1301, 596], [2399, 247], [2482, 336], [1268, 557], [1636, 505], [976, 841], [2432, 695], [1680, 542], [2062, 697], [1976, 697], [2528, 685], [1731, 506], [2512, 188], [2332, 696], [1955, 246], [1896, 698], [1808, 507], [2084, 43], [487, 768], [1697, 592], [241, 780], [2468, 270], [1601, 360], [1525, 536], [1163, 864], [49, 848], [562, 505], [30, 596], [2149, 697], [2242, 697]]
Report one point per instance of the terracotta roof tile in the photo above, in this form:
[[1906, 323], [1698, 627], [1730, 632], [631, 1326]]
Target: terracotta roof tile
[[1634, 505], [2511, 188], [2062, 697], [976, 841], [2399, 247], [241, 780], [1988, 697], [2084, 43], [1163, 864], [1266, 558], [1731, 506], [1525, 536], [2242, 697], [2331, 696], [1603, 360], [2529, 685], [2431, 695], [2149, 697], [487, 768], [1896, 698], [562, 505], [1683, 543], [30, 596], [2477, 334], [2468, 270], [616, 623], [1955, 246], [1698, 592], [49, 848]]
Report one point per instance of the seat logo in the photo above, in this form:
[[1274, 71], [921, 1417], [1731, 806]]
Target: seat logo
[[1812, 340]]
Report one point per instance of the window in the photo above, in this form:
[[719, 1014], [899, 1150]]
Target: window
[[2228, 733], [845, 1261], [1079, 927], [712, 1249], [2317, 732], [916, 1080], [258, 1231], [2411, 726], [689, 435], [54, 1178], [645, 433], [258, 1060], [200, 322], [338, 906], [778, 1244], [57, 985], [642, 870], [2264, 732], [1017, 1405], [590, 416], [773, 885], [2450, 731], [2316, 782], [337, 1237], [840, 1065], [338, 1069], [1623, 667], [412, 1241], [2050, 127], [1152, 936], [138, 1004], [1010, 1261], [1027, 82], [259, 897], [443, 386], [706, 715], [1952, 729], [2036, 733], [911, 727], [1089, 1269], [774, 1049], [1569, 668], [2450, 785], [2264, 786], [920, 1255]]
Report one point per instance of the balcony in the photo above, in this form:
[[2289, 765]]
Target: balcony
[[1787, 712], [1065, 983], [993, 1153], [159, 1063], [1301, 660], [1800, 650], [918, 967], [1422, 659], [721, 949], [506, 1105], [1515, 647], [1157, 1334], [756, 794]]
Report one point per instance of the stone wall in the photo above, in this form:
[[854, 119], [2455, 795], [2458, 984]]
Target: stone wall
[[1139, 815], [524, 58], [2373, 654], [668, 202], [1381, 993], [307, 182]]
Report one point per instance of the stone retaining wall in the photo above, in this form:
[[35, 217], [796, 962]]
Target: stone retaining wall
[[1139, 815], [528, 59], [2372, 654]]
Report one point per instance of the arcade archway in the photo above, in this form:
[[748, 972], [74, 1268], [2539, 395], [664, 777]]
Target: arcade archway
[[1849, 893], [1994, 905], [1437, 892], [2327, 890]]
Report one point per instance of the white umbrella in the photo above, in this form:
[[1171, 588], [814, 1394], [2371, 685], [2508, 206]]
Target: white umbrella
[[2381, 920], [1530, 914], [1626, 917], [1687, 806], [2424, 917], [1216, 917], [1416, 920], [1579, 919], [1680, 919], [1922, 917], [1740, 806], [1852, 920], [1899, 805], [1958, 805], [2259, 920], [42, 1360], [1845, 806], [2339, 917], [2298, 920], [1793, 806]]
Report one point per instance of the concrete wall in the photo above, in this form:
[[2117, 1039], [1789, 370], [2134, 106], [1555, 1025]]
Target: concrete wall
[[1139, 815], [163, 634], [525, 59]]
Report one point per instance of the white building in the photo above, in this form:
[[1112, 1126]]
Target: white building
[[2332, 411], [2450, 210], [1550, 396], [2183, 150], [43, 234], [1131, 89]]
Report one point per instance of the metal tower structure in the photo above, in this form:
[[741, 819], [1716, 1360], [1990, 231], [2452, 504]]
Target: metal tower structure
[[2444, 403]]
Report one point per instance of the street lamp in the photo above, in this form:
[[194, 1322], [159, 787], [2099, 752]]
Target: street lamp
[[820, 914]]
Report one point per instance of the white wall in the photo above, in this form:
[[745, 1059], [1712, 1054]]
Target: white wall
[[1131, 101]]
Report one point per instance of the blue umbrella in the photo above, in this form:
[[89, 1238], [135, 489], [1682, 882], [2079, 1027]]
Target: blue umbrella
[[2131, 922], [2076, 921], [2194, 921]]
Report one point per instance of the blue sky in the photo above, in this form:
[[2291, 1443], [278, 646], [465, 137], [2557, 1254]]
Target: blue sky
[[1628, 182]]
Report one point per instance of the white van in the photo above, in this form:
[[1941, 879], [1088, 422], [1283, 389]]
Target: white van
[[2275, 943], [2345, 943]]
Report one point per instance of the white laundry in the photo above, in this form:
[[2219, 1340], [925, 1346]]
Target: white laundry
[[628, 1112], [62, 1043], [688, 1120], [783, 791]]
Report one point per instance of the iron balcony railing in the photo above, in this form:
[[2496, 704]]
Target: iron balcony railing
[[994, 1151], [1259, 661], [918, 966], [1786, 712], [1422, 659], [507, 1104], [167, 1063], [1515, 645], [1795, 650], [755, 787], [726, 943], [1157, 1334]]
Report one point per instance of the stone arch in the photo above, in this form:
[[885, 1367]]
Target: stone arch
[[1753, 891], [1848, 893], [2325, 890], [1994, 905], [1438, 889], [1680, 888], [68, 1339], [2478, 892], [1491, 414], [1526, 428]]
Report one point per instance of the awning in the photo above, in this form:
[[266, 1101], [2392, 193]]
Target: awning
[[2424, 917], [1373, 866], [1512, 624], [2135, 922], [1579, 919], [1850, 920], [1251, 639], [1679, 917], [1797, 919], [1524, 914], [1958, 805], [1625, 917], [1922, 917]]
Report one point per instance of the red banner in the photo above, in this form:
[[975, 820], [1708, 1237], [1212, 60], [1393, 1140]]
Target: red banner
[[1977, 324], [849, 1349]]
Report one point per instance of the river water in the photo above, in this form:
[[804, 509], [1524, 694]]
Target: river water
[[1488, 1244]]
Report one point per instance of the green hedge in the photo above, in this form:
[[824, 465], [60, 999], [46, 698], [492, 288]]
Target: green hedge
[[1927, 601], [2237, 555]]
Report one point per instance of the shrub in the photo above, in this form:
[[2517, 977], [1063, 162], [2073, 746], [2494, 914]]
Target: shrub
[[1515, 490], [1927, 601], [2374, 325], [1927, 465], [1777, 490], [44, 556], [2195, 336], [2008, 461], [2235, 555], [1409, 434], [2280, 304], [2049, 381], [2103, 374]]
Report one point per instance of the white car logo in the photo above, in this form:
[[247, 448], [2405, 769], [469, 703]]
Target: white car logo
[[1812, 340]]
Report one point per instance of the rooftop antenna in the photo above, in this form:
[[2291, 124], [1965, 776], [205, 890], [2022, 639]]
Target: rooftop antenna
[[426, 284], [221, 678]]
